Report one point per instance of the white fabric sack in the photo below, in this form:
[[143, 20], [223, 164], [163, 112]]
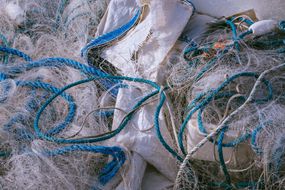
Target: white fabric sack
[[264, 9], [239, 156], [140, 139], [151, 40]]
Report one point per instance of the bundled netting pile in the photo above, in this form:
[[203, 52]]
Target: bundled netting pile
[[223, 102], [233, 127], [47, 31]]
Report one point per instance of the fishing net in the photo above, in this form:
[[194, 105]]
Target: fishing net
[[45, 29], [126, 94], [230, 95]]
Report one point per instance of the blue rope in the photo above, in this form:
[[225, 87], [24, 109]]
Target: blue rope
[[111, 36], [20, 118], [124, 122], [221, 155], [244, 34], [191, 47], [68, 98], [15, 52], [97, 139], [205, 98], [60, 62], [202, 100], [157, 128], [234, 31], [110, 170], [254, 134]]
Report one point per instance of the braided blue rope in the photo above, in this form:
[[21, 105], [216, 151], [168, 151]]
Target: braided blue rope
[[221, 155], [97, 139], [254, 134], [110, 170], [60, 62], [205, 99], [157, 128], [124, 122], [8, 51], [200, 102], [234, 31], [191, 47], [244, 34], [41, 85], [111, 36], [15, 52], [68, 98]]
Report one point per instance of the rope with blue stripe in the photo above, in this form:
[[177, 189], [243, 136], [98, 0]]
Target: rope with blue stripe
[[109, 170], [60, 62], [111, 36], [15, 52], [208, 97], [119, 158], [123, 123]]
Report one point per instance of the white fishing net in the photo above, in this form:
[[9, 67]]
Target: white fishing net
[[39, 30], [233, 140]]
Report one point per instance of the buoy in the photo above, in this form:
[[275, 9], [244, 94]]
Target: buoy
[[263, 27]]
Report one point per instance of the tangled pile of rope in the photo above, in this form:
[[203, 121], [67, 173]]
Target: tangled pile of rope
[[234, 87], [232, 83]]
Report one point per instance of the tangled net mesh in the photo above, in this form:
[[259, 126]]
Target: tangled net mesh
[[252, 104], [264, 169], [44, 29]]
